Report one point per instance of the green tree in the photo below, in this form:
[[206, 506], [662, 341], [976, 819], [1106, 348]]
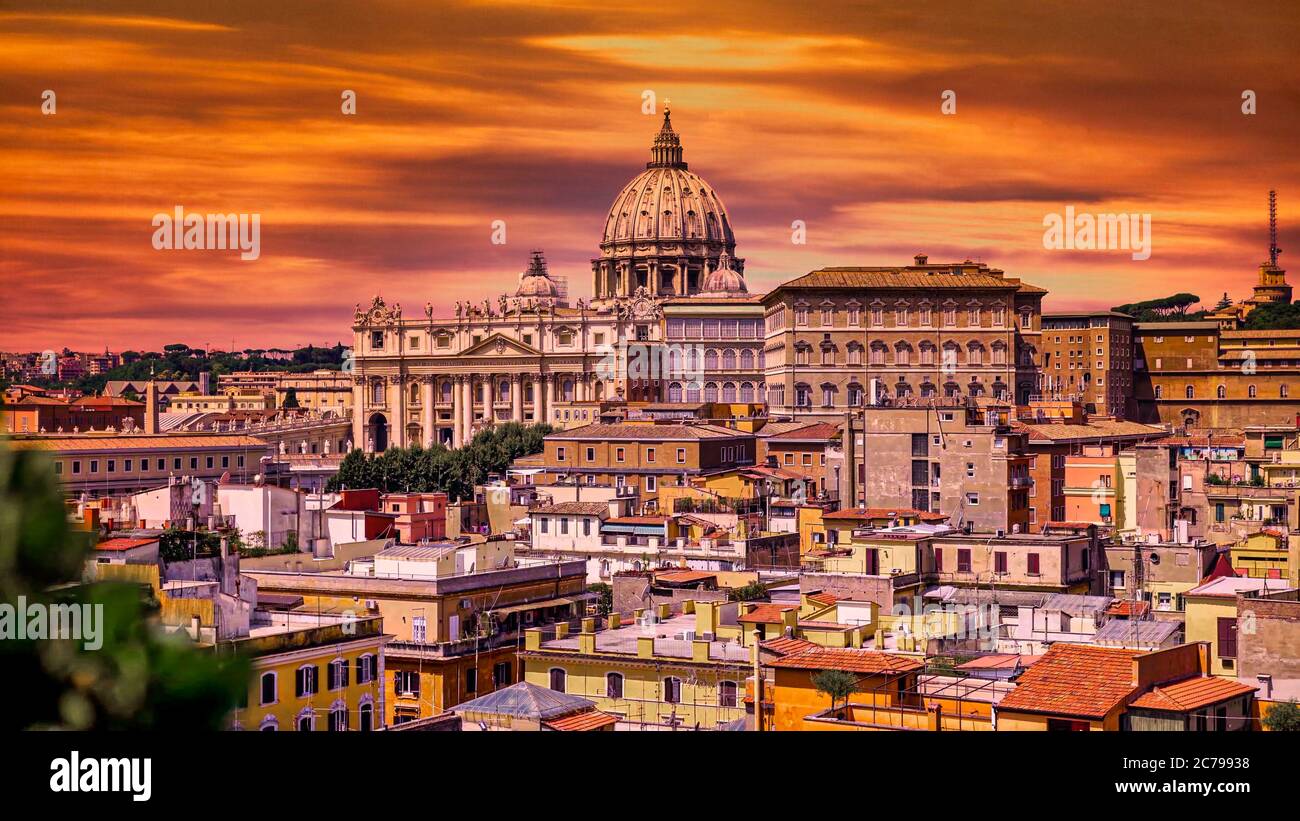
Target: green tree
[[138, 678], [754, 591], [837, 684], [1283, 718], [606, 604], [1273, 316]]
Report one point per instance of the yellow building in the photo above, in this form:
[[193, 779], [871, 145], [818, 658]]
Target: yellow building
[[1267, 554], [1212, 617], [313, 673], [669, 669]]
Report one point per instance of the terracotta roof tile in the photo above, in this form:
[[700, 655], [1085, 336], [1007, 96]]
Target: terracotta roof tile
[[849, 659], [818, 431], [787, 645], [1192, 694], [124, 544], [767, 614], [1075, 680], [885, 513], [582, 722]]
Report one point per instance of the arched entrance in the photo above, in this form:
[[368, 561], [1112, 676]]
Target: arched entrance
[[377, 433]]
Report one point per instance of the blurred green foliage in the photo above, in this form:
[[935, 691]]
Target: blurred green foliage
[[139, 678]]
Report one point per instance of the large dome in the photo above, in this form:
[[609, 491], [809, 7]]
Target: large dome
[[667, 208]]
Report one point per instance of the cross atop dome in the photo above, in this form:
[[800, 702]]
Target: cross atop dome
[[666, 152]]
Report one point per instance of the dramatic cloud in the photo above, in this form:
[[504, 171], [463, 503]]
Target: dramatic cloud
[[472, 111]]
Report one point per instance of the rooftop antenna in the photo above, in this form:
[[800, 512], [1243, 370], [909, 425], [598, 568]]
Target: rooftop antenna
[[1273, 250]]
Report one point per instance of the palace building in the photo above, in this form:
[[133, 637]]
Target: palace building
[[667, 250]]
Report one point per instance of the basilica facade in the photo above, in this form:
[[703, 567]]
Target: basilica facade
[[667, 267]]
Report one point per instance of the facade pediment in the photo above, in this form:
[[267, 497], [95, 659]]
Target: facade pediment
[[499, 345]]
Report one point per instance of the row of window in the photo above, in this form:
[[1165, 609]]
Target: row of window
[[728, 691], [338, 719], [143, 465], [713, 328], [406, 683], [306, 679], [1001, 562], [975, 316], [650, 454], [902, 353], [1221, 392]]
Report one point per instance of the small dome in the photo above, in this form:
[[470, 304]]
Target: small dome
[[536, 282], [724, 279]]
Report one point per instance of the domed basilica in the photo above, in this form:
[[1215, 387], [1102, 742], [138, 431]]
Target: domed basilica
[[670, 319]]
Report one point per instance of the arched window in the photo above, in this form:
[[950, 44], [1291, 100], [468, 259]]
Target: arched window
[[728, 391], [1159, 392], [727, 694], [1282, 391], [306, 720], [446, 390], [1221, 392], [728, 360], [613, 685], [367, 717], [675, 392], [339, 718], [558, 679], [746, 392], [503, 390], [1251, 392], [747, 360], [1190, 392], [566, 390], [693, 392], [711, 392], [710, 360], [415, 393], [377, 392]]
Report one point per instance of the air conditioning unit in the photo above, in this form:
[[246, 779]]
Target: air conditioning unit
[[688, 635]]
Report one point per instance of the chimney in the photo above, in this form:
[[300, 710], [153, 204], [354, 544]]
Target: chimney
[[151, 408]]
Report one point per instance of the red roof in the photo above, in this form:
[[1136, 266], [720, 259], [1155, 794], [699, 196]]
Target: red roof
[[885, 513], [124, 544], [786, 645], [819, 430], [1192, 694], [683, 576], [849, 659], [1075, 680], [826, 599], [582, 722], [767, 613], [1128, 608]]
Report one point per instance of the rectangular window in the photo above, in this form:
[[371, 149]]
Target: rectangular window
[[963, 560], [1031, 564], [1228, 637], [649, 454], [1000, 561]]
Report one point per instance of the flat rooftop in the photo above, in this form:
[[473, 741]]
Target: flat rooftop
[[624, 640]]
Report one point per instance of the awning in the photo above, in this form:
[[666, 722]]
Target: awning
[[576, 598]]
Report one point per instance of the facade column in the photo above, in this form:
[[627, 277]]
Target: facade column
[[468, 389], [358, 412], [396, 426], [548, 392], [516, 397], [457, 412], [490, 398], [428, 417]]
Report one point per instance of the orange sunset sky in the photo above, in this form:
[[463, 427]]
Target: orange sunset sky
[[531, 112]]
